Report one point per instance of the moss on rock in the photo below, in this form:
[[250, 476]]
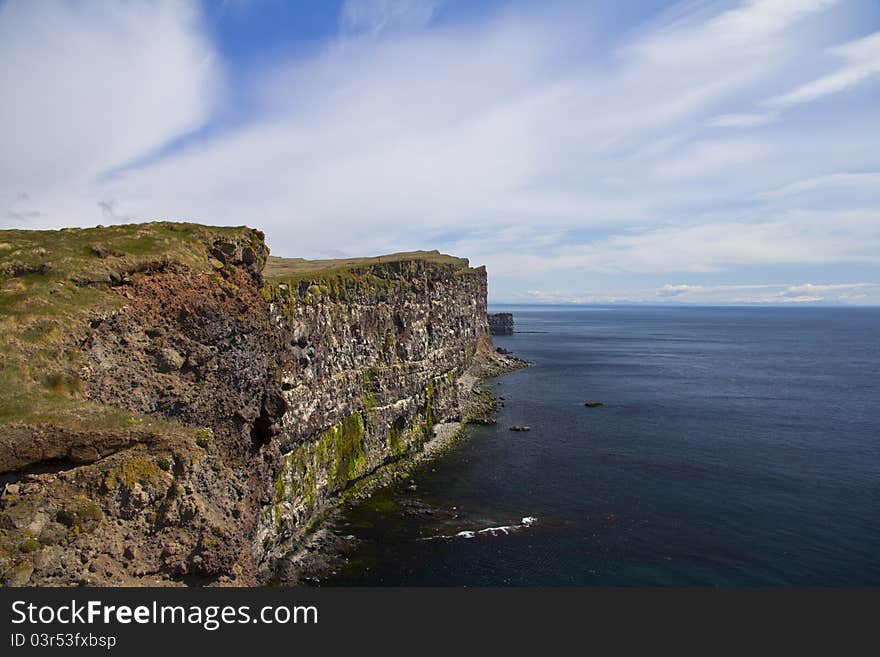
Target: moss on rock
[[341, 450]]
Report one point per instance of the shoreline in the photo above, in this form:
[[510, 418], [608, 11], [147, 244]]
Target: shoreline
[[320, 550]]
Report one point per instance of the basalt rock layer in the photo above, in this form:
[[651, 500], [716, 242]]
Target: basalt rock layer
[[178, 407]]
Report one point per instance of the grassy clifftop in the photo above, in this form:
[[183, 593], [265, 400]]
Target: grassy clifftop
[[282, 269], [381, 277], [54, 283]]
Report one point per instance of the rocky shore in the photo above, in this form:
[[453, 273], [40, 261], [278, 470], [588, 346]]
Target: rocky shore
[[319, 553]]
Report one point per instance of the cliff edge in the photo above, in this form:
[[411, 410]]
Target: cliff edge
[[179, 407]]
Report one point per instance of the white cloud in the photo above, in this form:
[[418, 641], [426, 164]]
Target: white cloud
[[869, 181], [492, 123], [706, 157], [87, 87], [677, 290], [801, 238], [745, 120], [761, 19], [742, 294], [861, 61]]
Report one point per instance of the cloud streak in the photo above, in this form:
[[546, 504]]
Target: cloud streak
[[742, 294], [861, 61], [372, 17]]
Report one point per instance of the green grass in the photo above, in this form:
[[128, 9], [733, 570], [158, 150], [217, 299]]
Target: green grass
[[281, 269]]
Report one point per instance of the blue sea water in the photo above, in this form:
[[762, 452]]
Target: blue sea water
[[736, 447]]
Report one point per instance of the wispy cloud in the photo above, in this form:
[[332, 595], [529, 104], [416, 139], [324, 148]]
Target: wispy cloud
[[777, 294], [869, 181], [744, 120], [861, 61], [372, 17], [87, 87]]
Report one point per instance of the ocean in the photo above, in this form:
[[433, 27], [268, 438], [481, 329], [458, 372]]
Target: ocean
[[735, 447]]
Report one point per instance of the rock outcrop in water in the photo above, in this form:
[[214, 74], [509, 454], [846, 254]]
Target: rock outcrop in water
[[179, 408], [501, 323]]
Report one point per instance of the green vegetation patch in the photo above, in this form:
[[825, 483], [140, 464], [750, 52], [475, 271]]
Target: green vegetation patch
[[134, 470], [301, 468], [80, 512], [341, 449], [396, 442]]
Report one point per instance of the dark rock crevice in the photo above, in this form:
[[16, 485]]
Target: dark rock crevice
[[268, 423]]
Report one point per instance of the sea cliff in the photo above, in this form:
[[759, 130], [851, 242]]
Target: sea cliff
[[179, 407]]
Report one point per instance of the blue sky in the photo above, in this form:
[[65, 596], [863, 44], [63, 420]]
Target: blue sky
[[661, 152]]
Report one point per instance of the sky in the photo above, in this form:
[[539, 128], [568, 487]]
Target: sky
[[585, 152]]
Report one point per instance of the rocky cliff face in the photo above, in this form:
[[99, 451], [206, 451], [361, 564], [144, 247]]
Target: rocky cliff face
[[374, 354], [210, 409]]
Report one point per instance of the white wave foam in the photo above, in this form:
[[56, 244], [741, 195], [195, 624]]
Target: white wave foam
[[504, 530]]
